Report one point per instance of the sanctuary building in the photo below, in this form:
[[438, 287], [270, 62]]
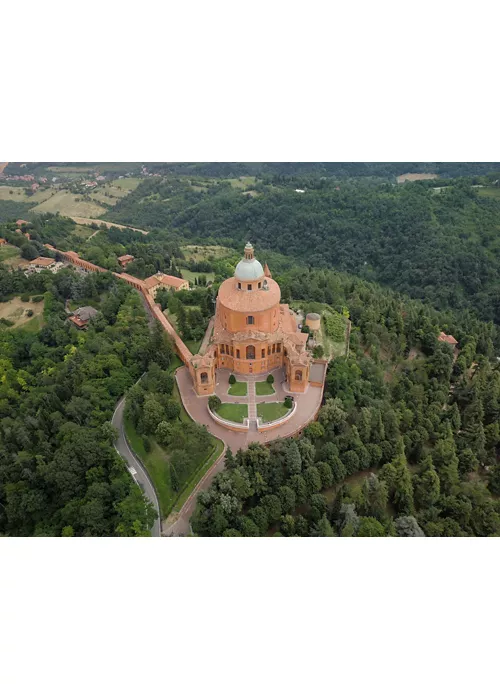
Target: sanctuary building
[[253, 333]]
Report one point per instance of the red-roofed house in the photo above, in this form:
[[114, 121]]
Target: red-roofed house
[[158, 281], [39, 264], [125, 260], [20, 222], [443, 338]]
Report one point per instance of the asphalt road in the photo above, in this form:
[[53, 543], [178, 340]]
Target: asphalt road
[[135, 467]]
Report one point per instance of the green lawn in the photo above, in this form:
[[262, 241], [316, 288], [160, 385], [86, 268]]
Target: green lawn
[[271, 411], [235, 412], [238, 389], [193, 345], [264, 388], [190, 276]]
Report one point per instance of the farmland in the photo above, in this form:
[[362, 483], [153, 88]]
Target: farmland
[[18, 194], [68, 204]]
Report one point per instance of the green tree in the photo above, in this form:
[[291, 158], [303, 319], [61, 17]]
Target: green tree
[[370, 527]]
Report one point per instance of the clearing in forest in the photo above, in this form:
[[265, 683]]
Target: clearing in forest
[[109, 193], [204, 252], [242, 182], [191, 276], [15, 311]]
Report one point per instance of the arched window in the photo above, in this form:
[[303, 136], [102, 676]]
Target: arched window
[[250, 320], [298, 375], [204, 378], [278, 347], [249, 287], [250, 352], [222, 350], [237, 354], [259, 285], [239, 285], [263, 353]]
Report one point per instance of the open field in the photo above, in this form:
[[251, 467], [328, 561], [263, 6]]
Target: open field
[[205, 252], [489, 192], [190, 276], [67, 205], [83, 168], [8, 251], [88, 222], [271, 411], [15, 311], [235, 412], [16, 261], [242, 182], [110, 193], [18, 194], [80, 169], [83, 232]]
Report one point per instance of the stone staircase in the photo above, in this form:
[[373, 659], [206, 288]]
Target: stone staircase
[[252, 409]]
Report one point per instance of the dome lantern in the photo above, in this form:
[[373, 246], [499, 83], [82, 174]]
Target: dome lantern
[[249, 268]]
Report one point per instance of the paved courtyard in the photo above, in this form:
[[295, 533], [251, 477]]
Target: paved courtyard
[[308, 405]]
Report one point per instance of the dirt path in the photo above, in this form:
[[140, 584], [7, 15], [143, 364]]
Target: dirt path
[[89, 222]]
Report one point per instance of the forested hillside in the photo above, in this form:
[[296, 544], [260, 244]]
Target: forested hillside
[[405, 444], [59, 471], [443, 247], [339, 170]]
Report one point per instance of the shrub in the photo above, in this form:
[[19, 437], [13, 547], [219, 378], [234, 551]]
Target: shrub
[[335, 326], [232, 379], [318, 351], [147, 443], [25, 297], [37, 299], [305, 329], [270, 379], [214, 402], [6, 322], [288, 402], [29, 313]]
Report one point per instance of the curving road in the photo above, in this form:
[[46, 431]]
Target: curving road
[[135, 466]]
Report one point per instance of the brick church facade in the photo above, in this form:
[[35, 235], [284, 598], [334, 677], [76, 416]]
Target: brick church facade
[[253, 333]]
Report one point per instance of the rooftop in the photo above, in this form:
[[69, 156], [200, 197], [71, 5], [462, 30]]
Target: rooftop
[[239, 300], [42, 262], [447, 338], [167, 280], [85, 313]]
